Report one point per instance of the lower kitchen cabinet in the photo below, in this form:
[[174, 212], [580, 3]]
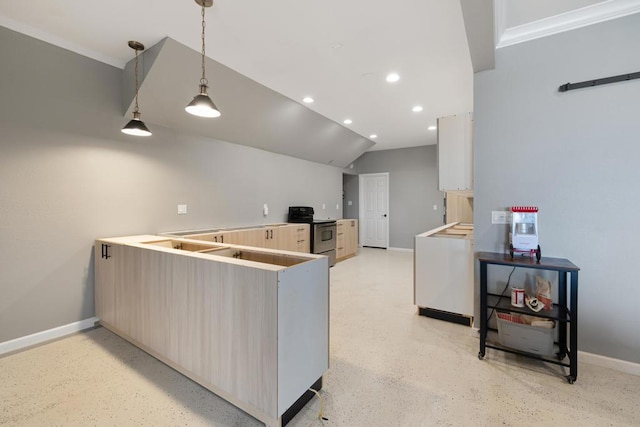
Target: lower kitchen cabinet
[[286, 237], [443, 273], [249, 324], [347, 238], [294, 237], [105, 273], [220, 237]]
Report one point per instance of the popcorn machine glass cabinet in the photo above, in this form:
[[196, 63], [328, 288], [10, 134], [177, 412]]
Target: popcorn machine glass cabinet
[[524, 230]]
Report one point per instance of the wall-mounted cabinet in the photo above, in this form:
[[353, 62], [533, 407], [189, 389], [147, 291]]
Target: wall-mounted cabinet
[[455, 152]]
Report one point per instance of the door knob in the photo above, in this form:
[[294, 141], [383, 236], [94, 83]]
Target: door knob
[[385, 215]]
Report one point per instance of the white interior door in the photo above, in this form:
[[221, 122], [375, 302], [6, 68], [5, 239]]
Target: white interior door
[[374, 209]]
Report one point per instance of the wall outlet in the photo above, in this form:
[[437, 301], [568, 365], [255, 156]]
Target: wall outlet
[[182, 209], [349, 203], [324, 206], [265, 209], [435, 207], [337, 206], [500, 217]]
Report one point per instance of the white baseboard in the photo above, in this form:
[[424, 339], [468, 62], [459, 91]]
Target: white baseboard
[[595, 359], [48, 335], [608, 362], [400, 249]]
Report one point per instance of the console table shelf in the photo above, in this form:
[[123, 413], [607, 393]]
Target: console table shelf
[[564, 312]]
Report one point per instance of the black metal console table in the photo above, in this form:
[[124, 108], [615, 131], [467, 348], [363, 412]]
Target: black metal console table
[[564, 315]]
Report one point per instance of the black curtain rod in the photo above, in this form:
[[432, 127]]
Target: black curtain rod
[[598, 82]]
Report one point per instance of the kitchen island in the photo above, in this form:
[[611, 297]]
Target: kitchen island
[[249, 324], [443, 273]]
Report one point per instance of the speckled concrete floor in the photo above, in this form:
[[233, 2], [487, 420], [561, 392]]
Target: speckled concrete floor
[[389, 367]]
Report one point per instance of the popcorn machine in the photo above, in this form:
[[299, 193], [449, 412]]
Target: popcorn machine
[[524, 231]]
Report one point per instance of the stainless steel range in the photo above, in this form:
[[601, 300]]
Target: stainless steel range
[[323, 231]]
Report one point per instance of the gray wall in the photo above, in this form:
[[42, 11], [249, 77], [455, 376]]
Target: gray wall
[[351, 193], [575, 155], [68, 176], [413, 190]]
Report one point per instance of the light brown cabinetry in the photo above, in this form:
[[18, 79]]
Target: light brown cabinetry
[[294, 237], [219, 237], [347, 238], [256, 237], [253, 332], [459, 207], [105, 273], [273, 237], [287, 237]]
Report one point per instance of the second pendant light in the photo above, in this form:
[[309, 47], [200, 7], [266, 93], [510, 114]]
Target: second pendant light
[[202, 105]]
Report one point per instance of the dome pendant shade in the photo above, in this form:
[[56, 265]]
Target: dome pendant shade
[[202, 105], [136, 127]]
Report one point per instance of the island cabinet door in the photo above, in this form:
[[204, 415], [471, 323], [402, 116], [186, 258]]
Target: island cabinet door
[[107, 257], [251, 237], [275, 237]]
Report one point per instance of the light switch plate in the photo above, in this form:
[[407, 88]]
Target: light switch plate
[[182, 209]]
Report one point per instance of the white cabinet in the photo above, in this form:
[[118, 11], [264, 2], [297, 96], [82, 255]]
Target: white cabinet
[[455, 152], [443, 273]]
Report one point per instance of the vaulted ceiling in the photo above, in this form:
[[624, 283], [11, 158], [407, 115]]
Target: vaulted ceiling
[[264, 57]]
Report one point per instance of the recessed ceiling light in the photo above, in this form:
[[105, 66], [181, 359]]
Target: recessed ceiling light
[[307, 100], [347, 121], [373, 136], [417, 108], [393, 77], [432, 128]]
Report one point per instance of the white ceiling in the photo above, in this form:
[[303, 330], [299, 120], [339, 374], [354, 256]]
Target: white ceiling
[[336, 51]]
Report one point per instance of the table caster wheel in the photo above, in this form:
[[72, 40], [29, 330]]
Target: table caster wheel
[[480, 355], [561, 356], [570, 379]]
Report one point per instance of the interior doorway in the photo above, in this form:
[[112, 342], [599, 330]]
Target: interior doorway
[[374, 209], [350, 196]]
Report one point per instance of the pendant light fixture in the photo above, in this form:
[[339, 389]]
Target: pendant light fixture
[[202, 105], [136, 126]]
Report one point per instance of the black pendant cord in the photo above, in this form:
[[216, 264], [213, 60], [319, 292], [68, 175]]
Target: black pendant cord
[[598, 82]]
